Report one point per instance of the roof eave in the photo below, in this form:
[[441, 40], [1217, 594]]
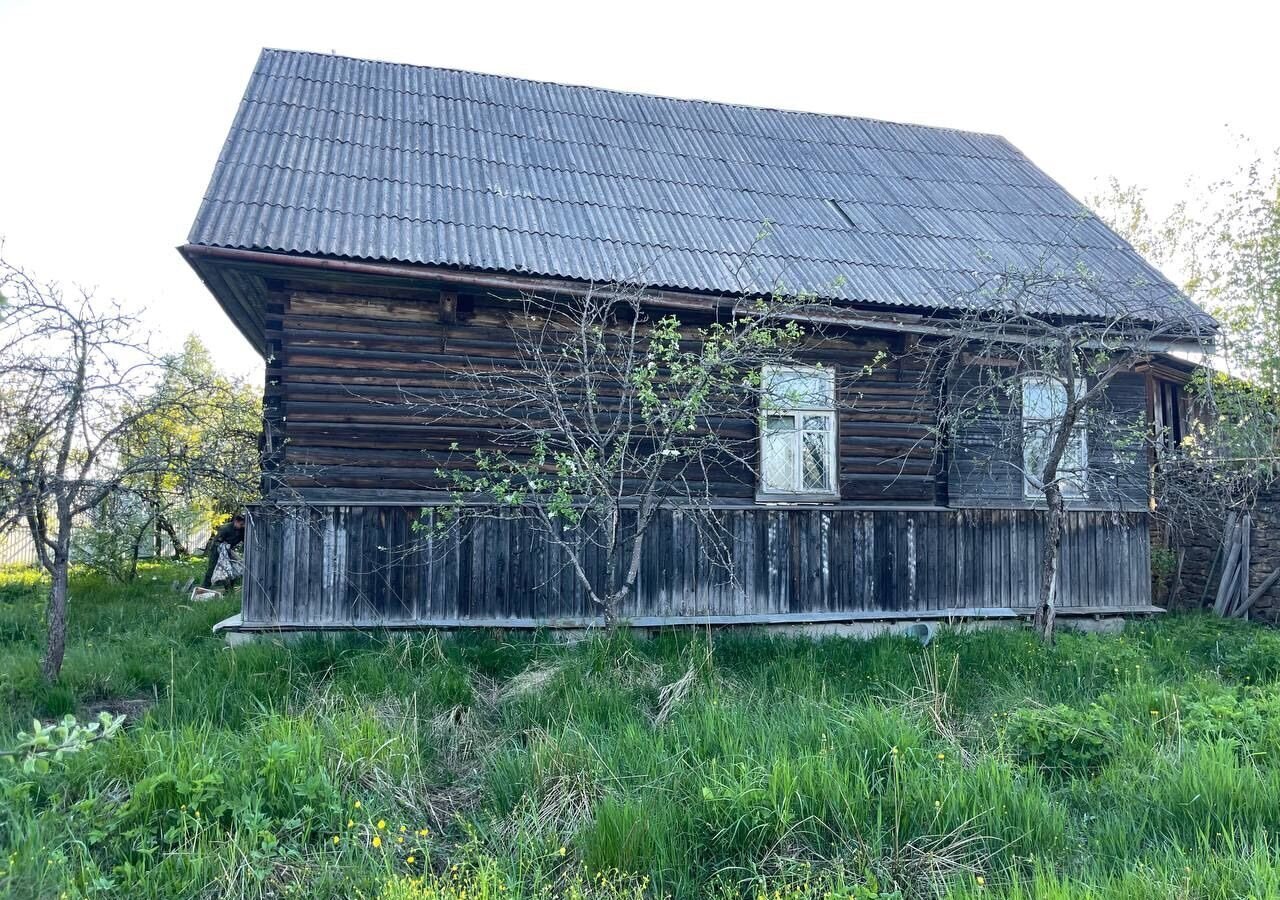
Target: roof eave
[[210, 263], [233, 302]]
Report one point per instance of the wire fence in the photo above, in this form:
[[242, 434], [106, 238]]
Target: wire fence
[[18, 548]]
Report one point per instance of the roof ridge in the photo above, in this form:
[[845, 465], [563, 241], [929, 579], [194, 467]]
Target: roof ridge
[[701, 101]]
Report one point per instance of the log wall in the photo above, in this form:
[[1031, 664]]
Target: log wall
[[389, 565], [985, 461], [341, 367]]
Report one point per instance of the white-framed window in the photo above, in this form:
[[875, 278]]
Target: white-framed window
[[798, 431], [1044, 404]]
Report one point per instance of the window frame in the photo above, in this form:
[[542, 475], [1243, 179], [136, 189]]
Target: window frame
[[1077, 486], [798, 412]]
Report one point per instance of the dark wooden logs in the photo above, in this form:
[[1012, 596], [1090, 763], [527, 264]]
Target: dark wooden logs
[[352, 380]]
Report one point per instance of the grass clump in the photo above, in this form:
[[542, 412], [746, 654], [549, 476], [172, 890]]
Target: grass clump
[[1062, 739], [735, 766]]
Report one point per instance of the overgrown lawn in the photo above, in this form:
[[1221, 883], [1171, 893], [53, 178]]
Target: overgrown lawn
[[690, 765]]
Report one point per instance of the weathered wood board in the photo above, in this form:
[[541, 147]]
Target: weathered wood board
[[387, 565]]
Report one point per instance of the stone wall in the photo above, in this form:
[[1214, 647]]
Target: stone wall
[[1264, 554], [1201, 562]]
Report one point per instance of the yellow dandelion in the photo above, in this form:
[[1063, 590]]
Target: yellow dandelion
[[411, 860], [422, 832], [981, 881], [403, 829], [399, 840], [357, 804], [377, 840], [1155, 712], [942, 756], [336, 840], [382, 825], [351, 823], [563, 851]]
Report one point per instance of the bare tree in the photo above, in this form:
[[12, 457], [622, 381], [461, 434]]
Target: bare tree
[[608, 410], [1038, 379], [74, 377]]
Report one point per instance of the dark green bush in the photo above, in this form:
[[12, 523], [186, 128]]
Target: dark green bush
[[1061, 739], [1249, 719]]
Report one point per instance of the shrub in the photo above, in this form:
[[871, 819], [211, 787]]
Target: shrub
[[1164, 563], [1249, 719], [109, 542], [1060, 739]]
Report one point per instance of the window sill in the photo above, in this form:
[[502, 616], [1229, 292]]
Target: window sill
[[774, 497]]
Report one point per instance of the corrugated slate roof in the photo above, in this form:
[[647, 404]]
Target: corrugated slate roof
[[379, 161]]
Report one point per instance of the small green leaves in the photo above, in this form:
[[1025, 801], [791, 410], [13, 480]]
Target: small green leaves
[[46, 744]]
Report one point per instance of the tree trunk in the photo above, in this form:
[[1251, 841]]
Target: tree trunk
[[179, 548], [56, 615], [1046, 610], [133, 560]]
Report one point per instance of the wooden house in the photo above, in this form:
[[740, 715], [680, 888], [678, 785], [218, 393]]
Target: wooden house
[[370, 225]]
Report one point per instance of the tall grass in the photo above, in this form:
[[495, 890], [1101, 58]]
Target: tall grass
[[736, 765]]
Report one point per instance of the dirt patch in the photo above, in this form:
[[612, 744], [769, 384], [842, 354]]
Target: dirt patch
[[132, 708]]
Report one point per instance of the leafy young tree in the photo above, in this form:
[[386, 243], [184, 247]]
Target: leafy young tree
[[110, 537], [607, 412], [1234, 266], [1225, 242], [209, 440]]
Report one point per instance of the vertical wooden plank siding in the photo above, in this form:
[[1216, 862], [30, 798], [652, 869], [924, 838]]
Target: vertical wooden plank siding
[[340, 565]]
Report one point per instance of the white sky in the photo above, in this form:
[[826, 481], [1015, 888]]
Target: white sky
[[114, 113]]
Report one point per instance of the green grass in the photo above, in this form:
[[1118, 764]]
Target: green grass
[[988, 765]]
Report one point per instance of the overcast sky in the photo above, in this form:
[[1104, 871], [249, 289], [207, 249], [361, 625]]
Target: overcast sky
[[114, 113]]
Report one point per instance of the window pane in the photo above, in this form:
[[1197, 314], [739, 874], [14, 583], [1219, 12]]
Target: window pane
[[1043, 398], [817, 423], [778, 467], [1036, 440], [1075, 464], [799, 388], [816, 468]]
